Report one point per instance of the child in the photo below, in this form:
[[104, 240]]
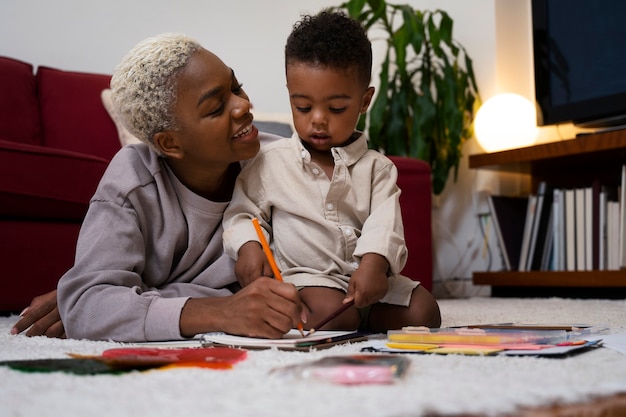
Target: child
[[330, 205]]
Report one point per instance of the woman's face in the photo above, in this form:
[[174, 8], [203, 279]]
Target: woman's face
[[213, 114]]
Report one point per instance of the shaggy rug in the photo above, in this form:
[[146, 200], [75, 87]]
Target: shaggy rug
[[434, 384]]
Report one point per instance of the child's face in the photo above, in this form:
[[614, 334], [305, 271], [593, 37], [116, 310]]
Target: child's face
[[325, 103], [213, 112]]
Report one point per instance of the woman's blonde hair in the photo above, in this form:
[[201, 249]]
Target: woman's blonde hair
[[144, 85]]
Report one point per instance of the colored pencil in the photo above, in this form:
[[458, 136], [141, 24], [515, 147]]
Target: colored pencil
[[270, 258], [340, 310]]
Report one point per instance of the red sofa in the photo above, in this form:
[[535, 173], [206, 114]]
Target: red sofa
[[415, 203], [56, 139]]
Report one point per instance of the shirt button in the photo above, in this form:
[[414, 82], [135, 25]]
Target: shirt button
[[316, 171], [348, 232], [330, 206]]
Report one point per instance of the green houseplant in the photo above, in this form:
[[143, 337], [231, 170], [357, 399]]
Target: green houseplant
[[428, 95]]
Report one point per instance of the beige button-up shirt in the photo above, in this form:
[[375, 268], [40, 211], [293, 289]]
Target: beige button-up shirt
[[319, 228]]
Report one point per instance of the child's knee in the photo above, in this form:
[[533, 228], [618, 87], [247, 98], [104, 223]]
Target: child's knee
[[426, 308]]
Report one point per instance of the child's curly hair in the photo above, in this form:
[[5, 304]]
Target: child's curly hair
[[144, 85], [331, 39]]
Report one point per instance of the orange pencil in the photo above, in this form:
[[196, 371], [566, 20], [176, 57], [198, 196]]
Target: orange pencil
[[270, 258]]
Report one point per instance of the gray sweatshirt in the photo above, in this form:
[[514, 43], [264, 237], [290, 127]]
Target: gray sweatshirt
[[147, 244]]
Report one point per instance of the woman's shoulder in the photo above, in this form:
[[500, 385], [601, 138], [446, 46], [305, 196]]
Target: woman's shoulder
[[132, 166]]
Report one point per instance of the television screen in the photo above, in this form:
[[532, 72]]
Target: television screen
[[579, 49]]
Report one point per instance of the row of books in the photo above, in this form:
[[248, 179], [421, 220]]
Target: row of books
[[563, 229]]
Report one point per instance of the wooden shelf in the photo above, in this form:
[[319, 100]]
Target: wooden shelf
[[588, 279], [569, 163]]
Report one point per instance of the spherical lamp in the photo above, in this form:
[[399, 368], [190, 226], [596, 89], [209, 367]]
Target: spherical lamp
[[505, 121]]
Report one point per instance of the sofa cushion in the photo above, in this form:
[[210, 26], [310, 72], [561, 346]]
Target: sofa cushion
[[72, 114], [19, 114], [46, 183]]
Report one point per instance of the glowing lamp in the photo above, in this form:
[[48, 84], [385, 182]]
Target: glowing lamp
[[505, 121]]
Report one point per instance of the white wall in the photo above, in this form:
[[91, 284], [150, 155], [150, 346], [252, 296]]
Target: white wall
[[94, 35], [249, 36]]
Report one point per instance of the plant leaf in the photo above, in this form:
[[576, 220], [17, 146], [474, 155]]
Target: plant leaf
[[428, 94], [378, 111], [445, 27], [396, 126]]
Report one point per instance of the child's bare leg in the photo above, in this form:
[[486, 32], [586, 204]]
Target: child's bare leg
[[324, 301], [423, 310]]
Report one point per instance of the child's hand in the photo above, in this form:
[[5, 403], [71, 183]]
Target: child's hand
[[251, 263], [368, 284]]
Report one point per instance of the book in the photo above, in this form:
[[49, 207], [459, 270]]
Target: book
[[474, 336], [596, 232], [579, 226], [611, 235], [602, 238], [551, 339], [508, 214], [622, 222], [528, 224], [548, 247], [540, 226], [558, 231], [588, 222], [526, 349], [292, 340], [570, 231], [613, 208]]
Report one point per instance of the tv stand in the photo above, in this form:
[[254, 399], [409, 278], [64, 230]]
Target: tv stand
[[569, 163], [602, 129], [616, 122]]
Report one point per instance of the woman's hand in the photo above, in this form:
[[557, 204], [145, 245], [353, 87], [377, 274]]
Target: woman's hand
[[369, 283], [265, 308], [41, 317]]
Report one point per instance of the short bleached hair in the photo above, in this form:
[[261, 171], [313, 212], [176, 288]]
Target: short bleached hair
[[144, 85]]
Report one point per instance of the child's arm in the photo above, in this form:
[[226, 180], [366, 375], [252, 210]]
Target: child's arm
[[240, 237], [368, 284], [251, 263], [383, 232], [381, 246]]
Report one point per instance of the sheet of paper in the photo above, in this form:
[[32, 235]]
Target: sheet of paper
[[554, 351], [612, 341], [465, 350]]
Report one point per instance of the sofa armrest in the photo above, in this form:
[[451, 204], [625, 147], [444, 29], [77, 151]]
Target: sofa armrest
[[41, 183], [415, 201]]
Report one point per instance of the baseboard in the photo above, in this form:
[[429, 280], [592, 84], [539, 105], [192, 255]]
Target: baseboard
[[459, 288]]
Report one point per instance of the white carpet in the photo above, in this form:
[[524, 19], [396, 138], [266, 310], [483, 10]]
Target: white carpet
[[434, 384]]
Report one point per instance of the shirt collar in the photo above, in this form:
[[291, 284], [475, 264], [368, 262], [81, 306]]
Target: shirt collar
[[346, 155]]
